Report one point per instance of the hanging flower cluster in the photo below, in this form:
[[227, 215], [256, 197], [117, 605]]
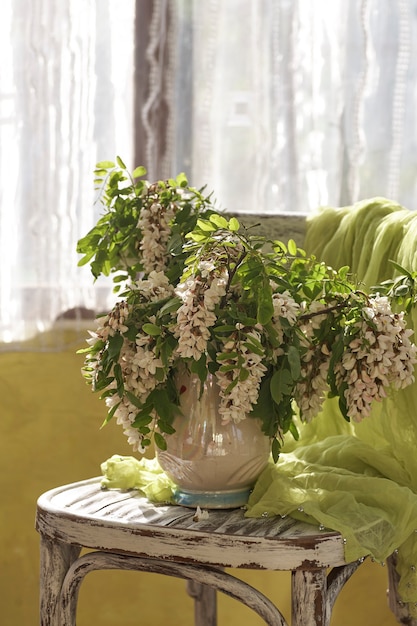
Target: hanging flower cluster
[[136, 370], [285, 308], [154, 288], [380, 356], [200, 295], [240, 373], [154, 224], [277, 329], [312, 387]]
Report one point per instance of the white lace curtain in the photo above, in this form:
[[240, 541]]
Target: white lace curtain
[[290, 104], [66, 101], [276, 105]]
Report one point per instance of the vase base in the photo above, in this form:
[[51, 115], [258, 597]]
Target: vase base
[[232, 499]]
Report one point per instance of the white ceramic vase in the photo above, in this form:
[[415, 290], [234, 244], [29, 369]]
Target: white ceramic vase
[[213, 465]]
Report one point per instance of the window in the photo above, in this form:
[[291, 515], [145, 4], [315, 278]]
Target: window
[[278, 106], [285, 105]]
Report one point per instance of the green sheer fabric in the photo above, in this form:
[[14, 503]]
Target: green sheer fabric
[[358, 479], [127, 472]]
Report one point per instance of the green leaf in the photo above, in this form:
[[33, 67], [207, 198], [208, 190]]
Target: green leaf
[[131, 333], [292, 247], [165, 427], [166, 348], [110, 414], [401, 290], [83, 350], [151, 329], [105, 165], [281, 385], [336, 355], [101, 174], [279, 247], [181, 180], [120, 278], [205, 225], [243, 375], [85, 259], [175, 244], [200, 367], [108, 393], [139, 171], [218, 220], [234, 224], [254, 346], [231, 385], [119, 379], [163, 405], [294, 361], [275, 449], [343, 402], [160, 374], [197, 237], [141, 421], [228, 368], [160, 441], [400, 268], [102, 383], [120, 163], [226, 328], [133, 399], [265, 306], [294, 431], [222, 356], [170, 306], [115, 345]]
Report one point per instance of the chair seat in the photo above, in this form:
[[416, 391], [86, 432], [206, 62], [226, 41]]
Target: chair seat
[[85, 514]]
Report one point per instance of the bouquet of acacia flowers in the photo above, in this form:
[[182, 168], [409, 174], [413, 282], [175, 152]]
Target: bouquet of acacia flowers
[[277, 329]]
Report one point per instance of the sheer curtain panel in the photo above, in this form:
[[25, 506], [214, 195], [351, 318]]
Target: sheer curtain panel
[[66, 97], [284, 105]]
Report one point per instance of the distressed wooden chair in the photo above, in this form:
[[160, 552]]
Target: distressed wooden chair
[[127, 532]]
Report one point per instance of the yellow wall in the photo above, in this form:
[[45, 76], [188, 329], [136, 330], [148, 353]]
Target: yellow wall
[[49, 434]]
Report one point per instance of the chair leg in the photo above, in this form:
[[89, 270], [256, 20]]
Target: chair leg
[[205, 603], [55, 560], [399, 608], [309, 591]]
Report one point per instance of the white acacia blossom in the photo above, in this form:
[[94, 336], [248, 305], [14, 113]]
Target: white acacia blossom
[[125, 416], [237, 403], [155, 287], [199, 294], [311, 389], [284, 307], [154, 224], [379, 356], [138, 363], [108, 325]]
